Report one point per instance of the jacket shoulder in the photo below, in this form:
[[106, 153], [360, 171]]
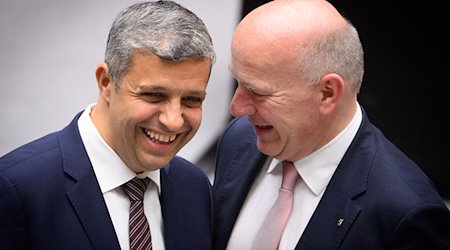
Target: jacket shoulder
[[30, 151], [239, 130]]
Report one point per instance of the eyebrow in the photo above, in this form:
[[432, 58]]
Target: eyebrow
[[164, 89]]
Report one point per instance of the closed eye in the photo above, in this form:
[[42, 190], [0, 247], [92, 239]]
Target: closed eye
[[154, 96], [257, 95], [192, 101], [254, 92]]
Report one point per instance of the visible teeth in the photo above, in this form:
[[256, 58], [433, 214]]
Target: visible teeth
[[160, 137]]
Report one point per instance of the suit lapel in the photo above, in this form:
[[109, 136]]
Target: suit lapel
[[84, 192], [338, 208], [239, 171], [91, 209], [171, 202], [328, 227]]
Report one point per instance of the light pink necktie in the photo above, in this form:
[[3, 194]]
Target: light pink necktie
[[270, 233], [139, 228]]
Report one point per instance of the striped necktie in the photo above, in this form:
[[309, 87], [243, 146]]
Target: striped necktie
[[139, 228]]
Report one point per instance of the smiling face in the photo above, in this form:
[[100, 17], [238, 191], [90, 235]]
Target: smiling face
[[282, 109], [155, 112], [288, 68]]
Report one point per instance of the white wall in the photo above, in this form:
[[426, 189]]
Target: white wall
[[49, 50]]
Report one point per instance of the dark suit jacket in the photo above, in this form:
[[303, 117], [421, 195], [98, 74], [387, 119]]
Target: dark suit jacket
[[50, 199], [383, 198]]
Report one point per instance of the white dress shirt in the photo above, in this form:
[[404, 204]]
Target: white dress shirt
[[111, 173], [315, 173]]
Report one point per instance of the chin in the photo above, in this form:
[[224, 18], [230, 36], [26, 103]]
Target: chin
[[265, 148]]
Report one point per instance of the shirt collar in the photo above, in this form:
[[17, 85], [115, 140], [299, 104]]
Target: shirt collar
[[110, 170]]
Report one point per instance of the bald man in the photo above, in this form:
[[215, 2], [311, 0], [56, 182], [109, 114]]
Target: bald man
[[299, 67]]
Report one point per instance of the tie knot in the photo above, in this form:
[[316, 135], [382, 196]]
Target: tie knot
[[290, 176], [136, 187]]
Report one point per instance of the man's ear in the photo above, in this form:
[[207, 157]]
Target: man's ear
[[104, 82], [332, 87]]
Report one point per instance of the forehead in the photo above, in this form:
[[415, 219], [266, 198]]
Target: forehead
[[147, 67], [260, 72], [254, 82]]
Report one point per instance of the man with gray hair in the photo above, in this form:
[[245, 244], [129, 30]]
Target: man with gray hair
[[111, 179]]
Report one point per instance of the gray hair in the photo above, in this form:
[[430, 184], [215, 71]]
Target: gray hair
[[340, 52], [163, 28]]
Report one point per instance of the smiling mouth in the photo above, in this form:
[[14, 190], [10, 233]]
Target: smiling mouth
[[263, 126], [160, 138]]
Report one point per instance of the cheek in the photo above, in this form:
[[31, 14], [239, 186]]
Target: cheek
[[140, 111], [193, 117], [294, 117]]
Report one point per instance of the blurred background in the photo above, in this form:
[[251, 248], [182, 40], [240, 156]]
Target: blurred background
[[49, 50]]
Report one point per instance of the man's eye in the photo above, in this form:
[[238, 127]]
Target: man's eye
[[154, 96], [254, 93], [192, 101], [258, 95]]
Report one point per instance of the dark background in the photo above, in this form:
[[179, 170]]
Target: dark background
[[405, 84], [404, 87]]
